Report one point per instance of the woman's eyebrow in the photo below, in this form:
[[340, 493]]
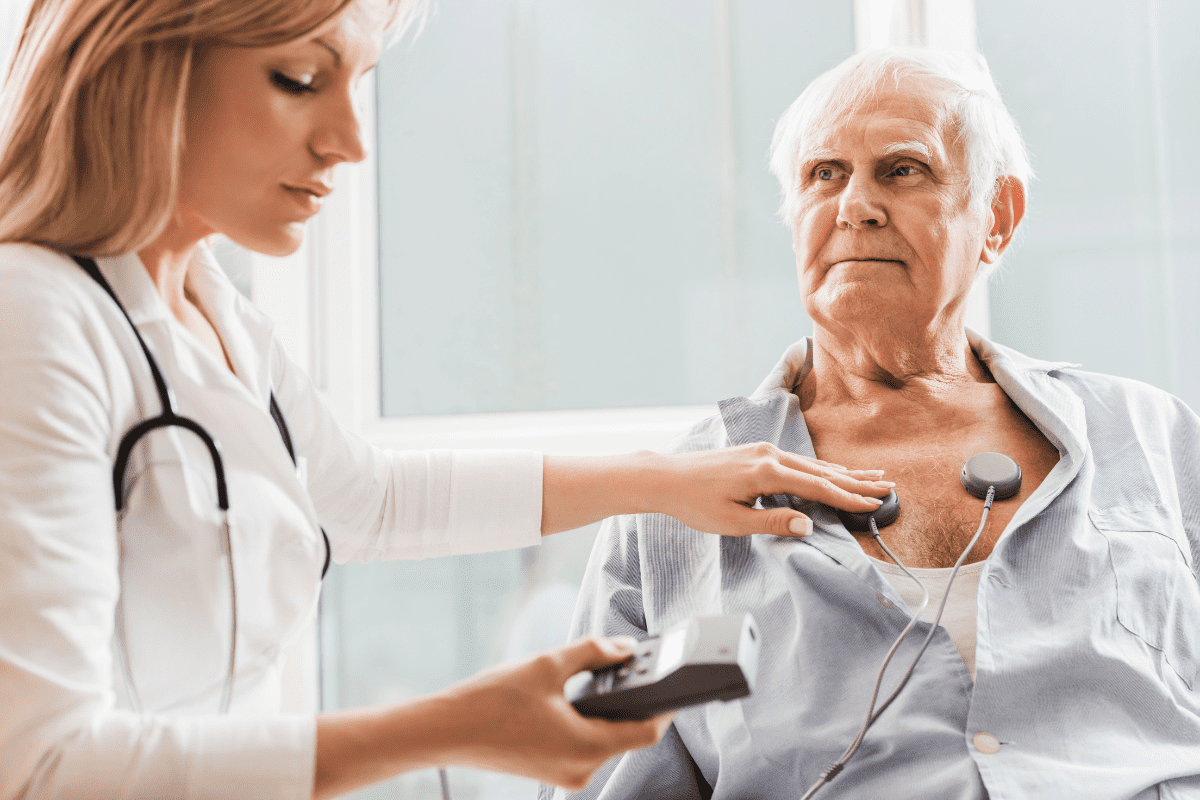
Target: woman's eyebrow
[[337, 57]]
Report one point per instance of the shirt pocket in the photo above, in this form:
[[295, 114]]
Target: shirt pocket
[[1158, 596]]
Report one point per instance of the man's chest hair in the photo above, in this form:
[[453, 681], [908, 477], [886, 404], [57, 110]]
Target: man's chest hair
[[938, 517]]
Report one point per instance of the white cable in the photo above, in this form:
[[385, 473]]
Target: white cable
[[872, 714]]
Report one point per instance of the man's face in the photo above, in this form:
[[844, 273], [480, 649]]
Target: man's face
[[884, 231]]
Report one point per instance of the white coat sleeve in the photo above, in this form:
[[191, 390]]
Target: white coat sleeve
[[392, 504], [60, 734]]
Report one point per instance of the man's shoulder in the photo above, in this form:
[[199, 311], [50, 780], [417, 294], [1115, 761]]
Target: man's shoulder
[[1112, 395], [1100, 392]]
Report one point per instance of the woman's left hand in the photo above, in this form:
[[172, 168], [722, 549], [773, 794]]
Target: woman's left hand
[[712, 490]]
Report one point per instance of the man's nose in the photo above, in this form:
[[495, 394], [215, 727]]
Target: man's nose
[[861, 204]]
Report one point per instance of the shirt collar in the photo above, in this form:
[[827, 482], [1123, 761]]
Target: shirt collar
[[772, 414]]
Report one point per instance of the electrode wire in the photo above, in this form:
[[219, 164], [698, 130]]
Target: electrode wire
[[987, 507], [872, 714]]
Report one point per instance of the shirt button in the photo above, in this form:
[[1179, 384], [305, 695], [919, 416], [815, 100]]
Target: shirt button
[[883, 601], [986, 743]]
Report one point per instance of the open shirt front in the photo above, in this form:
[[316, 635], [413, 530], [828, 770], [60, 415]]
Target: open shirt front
[[1088, 619]]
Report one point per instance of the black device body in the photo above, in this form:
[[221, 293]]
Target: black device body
[[885, 515], [697, 661]]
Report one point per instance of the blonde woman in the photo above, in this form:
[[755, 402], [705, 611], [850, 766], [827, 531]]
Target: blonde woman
[[163, 466]]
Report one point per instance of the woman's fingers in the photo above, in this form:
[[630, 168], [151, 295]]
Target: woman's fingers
[[516, 719], [714, 490], [791, 476], [834, 472], [594, 653]]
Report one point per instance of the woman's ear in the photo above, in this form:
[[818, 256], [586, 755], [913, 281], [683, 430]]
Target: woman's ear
[[1008, 208]]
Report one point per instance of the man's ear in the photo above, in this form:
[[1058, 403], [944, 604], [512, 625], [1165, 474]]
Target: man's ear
[[1008, 208]]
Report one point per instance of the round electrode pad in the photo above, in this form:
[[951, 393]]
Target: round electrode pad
[[884, 515], [990, 469]]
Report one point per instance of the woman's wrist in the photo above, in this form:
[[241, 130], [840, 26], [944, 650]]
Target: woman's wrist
[[362, 746]]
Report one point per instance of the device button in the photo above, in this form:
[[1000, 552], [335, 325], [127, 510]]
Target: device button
[[986, 743]]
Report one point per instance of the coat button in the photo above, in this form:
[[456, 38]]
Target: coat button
[[986, 743]]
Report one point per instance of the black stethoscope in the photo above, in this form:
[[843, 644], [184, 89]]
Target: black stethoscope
[[167, 419]]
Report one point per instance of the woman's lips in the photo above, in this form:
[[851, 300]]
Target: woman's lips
[[305, 199]]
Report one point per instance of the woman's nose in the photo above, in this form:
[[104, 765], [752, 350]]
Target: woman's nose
[[861, 205], [339, 136]]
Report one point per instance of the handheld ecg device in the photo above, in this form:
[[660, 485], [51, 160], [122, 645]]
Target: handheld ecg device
[[697, 661]]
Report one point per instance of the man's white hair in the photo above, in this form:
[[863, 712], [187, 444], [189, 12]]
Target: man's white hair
[[980, 120]]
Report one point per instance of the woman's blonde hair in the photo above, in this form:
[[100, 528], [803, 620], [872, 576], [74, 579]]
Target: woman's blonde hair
[[92, 109]]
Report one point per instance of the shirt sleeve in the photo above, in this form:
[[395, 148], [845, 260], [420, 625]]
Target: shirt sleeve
[[410, 504], [60, 733]]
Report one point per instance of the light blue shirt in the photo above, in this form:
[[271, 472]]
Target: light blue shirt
[[1088, 617]]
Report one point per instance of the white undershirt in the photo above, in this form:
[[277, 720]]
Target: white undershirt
[[959, 617]]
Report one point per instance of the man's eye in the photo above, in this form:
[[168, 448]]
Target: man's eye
[[825, 174], [904, 170], [290, 85]]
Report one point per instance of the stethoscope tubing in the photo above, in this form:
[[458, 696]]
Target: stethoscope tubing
[[170, 418], [167, 420]]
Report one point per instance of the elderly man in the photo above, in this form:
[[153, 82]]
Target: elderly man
[[1065, 665]]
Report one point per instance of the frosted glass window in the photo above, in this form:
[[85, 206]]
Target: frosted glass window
[[1105, 273], [575, 210]]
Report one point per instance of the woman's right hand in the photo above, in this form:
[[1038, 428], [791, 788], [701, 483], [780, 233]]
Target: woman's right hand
[[519, 721], [512, 718]]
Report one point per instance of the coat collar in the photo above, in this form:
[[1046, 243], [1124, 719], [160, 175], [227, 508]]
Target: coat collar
[[245, 332]]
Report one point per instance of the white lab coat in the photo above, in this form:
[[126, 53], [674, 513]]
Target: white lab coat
[[73, 380]]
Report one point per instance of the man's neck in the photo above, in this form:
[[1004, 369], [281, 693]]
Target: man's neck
[[913, 387]]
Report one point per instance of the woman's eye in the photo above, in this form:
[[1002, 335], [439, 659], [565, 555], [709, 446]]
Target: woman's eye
[[291, 85]]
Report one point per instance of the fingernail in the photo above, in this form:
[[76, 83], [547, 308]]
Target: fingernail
[[876, 472], [839, 466], [884, 484], [801, 526], [873, 500]]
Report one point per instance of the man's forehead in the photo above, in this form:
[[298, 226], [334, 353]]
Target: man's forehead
[[913, 116]]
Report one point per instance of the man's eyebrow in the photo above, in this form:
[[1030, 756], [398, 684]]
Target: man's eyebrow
[[908, 148], [810, 157]]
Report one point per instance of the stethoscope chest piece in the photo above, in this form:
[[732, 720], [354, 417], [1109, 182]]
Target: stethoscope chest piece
[[985, 470], [885, 515]]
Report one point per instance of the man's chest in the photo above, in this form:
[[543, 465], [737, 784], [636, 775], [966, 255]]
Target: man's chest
[[938, 516]]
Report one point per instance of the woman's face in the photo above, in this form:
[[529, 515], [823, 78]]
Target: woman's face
[[265, 128]]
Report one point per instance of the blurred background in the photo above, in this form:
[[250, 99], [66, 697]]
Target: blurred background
[[566, 239]]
